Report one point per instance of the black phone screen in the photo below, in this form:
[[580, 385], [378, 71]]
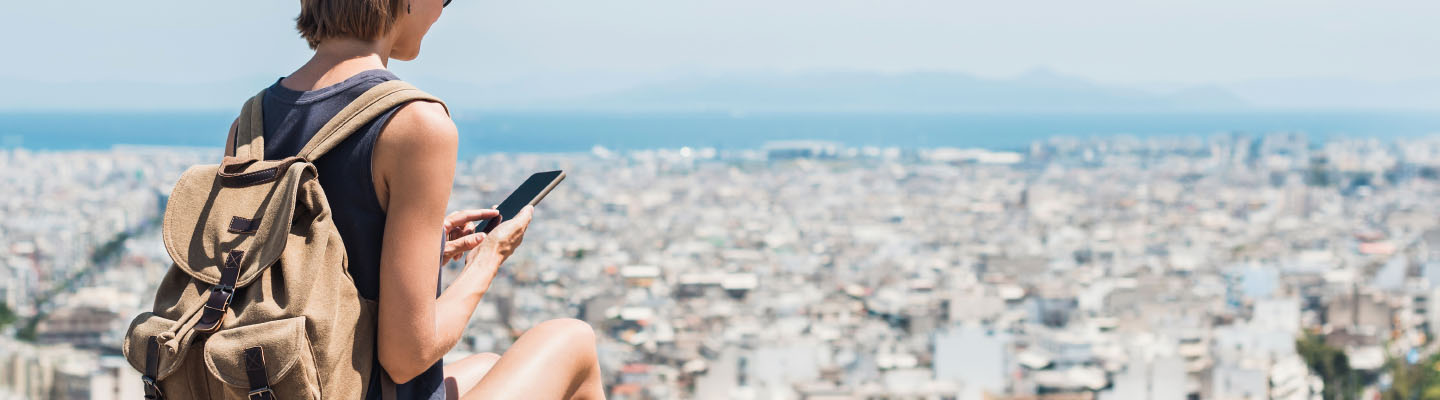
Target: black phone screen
[[531, 192]]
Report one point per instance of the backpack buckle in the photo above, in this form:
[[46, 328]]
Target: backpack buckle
[[152, 389], [214, 309], [220, 294], [152, 363], [255, 371], [263, 393], [221, 297]]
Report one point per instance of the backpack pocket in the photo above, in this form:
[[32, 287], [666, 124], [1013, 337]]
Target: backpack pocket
[[271, 356], [176, 374], [145, 326]]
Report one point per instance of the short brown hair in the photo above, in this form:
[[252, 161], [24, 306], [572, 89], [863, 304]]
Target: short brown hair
[[359, 19]]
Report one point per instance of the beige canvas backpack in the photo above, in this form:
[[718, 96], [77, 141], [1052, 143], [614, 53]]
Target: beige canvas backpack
[[258, 303]]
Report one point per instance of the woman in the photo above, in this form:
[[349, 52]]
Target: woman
[[388, 185]]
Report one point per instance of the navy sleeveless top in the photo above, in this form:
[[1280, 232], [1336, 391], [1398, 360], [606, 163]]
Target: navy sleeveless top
[[291, 119]]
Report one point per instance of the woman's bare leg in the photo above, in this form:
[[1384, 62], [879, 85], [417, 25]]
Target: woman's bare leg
[[554, 360], [468, 371]]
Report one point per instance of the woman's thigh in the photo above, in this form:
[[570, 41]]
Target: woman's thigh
[[553, 360], [467, 372]]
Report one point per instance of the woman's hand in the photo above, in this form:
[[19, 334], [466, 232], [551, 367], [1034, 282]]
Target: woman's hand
[[460, 235], [498, 246]]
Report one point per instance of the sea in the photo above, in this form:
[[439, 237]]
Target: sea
[[542, 132]]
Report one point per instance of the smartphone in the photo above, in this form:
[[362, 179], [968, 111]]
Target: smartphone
[[528, 194]]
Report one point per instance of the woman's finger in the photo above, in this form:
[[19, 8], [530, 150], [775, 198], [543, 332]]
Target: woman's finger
[[526, 214], [464, 229], [458, 224], [522, 219], [450, 220], [472, 240], [462, 217], [464, 243]]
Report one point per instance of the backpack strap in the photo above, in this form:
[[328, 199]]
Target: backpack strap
[[367, 107], [388, 391], [152, 364], [220, 295], [256, 373], [250, 130]]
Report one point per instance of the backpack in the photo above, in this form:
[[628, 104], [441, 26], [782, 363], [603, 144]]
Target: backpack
[[259, 304]]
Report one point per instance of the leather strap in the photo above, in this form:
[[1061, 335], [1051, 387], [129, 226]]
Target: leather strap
[[255, 371], [387, 387], [240, 224], [220, 295], [375, 101], [232, 171], [250, 131], [250, 178], [452, 388], [152, 365]]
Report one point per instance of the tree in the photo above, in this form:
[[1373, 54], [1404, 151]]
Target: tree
[[1412, 381], [7, 316], [1331, 364]]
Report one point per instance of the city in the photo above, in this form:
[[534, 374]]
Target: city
[[1228, 266]]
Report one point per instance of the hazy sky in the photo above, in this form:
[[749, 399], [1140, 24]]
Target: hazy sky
[[1130, 42]]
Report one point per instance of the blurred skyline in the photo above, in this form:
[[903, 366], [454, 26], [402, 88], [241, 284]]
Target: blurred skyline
[[848, 199], [1284, 54]]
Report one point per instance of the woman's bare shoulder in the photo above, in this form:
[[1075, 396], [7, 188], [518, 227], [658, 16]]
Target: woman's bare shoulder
[[420, 126], [419, 139]]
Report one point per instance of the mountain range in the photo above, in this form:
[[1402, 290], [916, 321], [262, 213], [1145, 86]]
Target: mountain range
[[1040, 90]]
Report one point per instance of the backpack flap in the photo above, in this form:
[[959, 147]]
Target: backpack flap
[[237, 212]]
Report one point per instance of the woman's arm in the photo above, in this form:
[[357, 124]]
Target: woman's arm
[[415, 158]]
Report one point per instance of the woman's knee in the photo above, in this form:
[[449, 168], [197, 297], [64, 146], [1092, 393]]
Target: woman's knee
[[472, 367], [486, 359], [570, 332]]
